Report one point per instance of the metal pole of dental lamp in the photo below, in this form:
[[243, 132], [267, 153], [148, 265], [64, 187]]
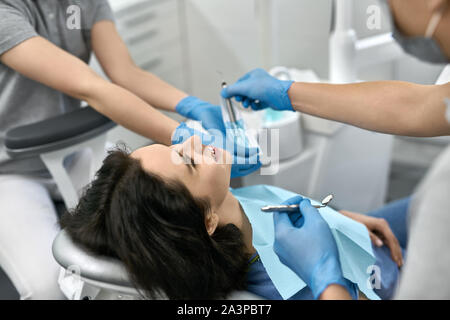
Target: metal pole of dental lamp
[[265, 14], [342, 49]]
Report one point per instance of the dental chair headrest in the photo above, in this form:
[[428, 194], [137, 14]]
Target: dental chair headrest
[[93, 267], [104, 269]]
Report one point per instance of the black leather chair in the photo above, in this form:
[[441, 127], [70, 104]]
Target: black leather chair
[[54, 139]]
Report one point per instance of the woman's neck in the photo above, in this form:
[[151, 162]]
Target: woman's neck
[[232, 212]]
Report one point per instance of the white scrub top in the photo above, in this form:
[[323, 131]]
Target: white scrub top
[[426, 274]]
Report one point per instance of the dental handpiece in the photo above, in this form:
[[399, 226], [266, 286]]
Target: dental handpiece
[[234, 121], [294, 207]]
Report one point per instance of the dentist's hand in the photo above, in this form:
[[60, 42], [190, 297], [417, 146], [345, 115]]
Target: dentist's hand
[[304, 243], [259, 90]]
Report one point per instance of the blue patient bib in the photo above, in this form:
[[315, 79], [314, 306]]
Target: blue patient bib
[[352, 239]]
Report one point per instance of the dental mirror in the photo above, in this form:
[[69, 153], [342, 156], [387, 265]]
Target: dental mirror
[[325, 201]]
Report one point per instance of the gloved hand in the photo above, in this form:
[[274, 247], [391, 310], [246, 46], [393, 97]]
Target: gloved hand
[[245, 159], [304, 243], [208, 114], [258, 85], [184, 132]]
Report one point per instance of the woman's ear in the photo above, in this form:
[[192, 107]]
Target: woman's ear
[[211, 222]]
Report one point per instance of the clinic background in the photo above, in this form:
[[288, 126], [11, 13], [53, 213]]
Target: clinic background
[[189, 42]]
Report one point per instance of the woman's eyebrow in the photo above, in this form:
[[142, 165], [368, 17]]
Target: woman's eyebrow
[[187, 160]]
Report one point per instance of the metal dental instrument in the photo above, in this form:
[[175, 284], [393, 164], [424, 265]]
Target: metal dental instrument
[[227, 104], [294, 207], [235, 125]]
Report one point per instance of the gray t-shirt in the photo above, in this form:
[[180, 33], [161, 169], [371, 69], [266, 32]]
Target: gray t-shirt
[[24, 101]]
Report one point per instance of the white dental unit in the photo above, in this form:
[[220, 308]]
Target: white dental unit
[[331, 157]]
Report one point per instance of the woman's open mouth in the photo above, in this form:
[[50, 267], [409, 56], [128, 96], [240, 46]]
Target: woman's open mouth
[[214, 152]]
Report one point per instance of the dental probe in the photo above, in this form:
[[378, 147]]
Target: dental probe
[[294, 207]]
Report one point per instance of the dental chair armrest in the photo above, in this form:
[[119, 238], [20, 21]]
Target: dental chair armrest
[[56, 133]]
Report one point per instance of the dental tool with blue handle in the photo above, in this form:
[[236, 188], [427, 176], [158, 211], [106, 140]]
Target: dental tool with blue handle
[[294, 207]]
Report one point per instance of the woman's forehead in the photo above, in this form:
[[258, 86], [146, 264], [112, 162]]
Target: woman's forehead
[[158, 159]]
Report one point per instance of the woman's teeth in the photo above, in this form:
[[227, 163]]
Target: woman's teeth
[[213, 152]]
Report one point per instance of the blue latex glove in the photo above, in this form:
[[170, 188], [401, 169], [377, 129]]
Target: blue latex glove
[[242, 165], [184, 132], [245, 159], [304, 243], [209, 115], [260, 85]]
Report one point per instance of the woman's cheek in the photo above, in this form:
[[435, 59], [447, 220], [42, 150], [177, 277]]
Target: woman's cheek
[[218, 183]]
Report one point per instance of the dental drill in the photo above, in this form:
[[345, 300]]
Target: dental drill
[[230, 112], [234, 123]]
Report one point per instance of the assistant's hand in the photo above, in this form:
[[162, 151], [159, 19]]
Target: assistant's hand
[[304, 243], [196, 109], [184, 132], [380, 233], [259, 90]]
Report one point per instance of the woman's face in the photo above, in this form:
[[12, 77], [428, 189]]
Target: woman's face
[[204, 170]]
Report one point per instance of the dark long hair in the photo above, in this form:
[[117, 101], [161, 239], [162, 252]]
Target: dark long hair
[[157, 229]]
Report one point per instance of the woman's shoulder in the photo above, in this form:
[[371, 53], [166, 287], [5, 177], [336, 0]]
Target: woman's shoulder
[[259, 282]]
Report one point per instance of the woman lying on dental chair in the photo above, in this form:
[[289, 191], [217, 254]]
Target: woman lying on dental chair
[[169, 215]]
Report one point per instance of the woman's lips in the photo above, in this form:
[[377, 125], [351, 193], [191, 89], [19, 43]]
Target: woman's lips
[[217, 154]]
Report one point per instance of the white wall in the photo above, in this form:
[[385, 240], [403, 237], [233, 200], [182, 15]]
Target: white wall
[[221, 37], [225, 36]]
